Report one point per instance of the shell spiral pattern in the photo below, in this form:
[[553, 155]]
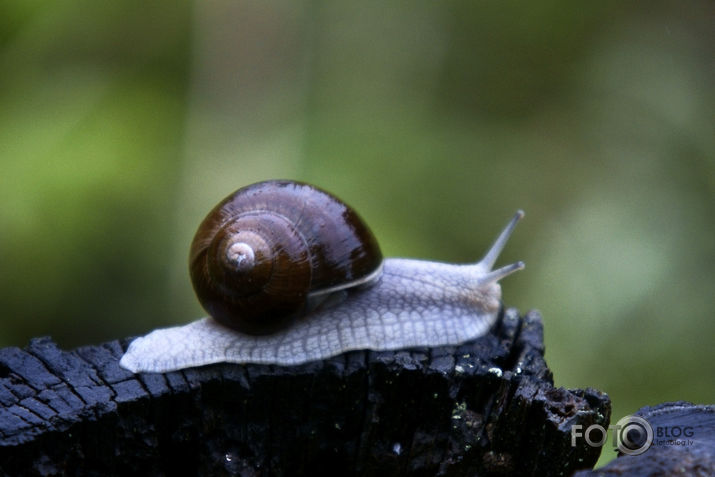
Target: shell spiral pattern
[[262, 253]]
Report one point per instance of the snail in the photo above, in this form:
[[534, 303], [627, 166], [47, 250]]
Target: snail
[[290, 274]]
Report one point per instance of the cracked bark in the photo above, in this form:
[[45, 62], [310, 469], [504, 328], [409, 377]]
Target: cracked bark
[[487, 407]]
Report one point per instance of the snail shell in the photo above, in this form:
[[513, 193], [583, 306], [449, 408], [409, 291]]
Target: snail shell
[[379, 304], [271, 251]]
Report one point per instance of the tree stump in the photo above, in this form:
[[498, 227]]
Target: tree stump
[[487, 407]]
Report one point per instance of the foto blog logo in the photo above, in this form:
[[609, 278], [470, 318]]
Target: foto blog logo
[[632, 435]]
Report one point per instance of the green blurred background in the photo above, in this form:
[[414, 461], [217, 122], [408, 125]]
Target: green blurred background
[[123, 123]]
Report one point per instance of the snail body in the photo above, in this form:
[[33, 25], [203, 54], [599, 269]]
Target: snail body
[[361, 301]]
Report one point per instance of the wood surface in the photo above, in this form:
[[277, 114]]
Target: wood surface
[[487, 407]]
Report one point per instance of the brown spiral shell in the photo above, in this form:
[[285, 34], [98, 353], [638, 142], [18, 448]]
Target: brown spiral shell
[[263, 251]]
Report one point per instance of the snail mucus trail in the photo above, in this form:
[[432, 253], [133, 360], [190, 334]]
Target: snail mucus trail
[[290, 274]]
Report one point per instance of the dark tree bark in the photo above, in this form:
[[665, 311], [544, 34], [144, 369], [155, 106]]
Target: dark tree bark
[[683, 444], [487, 407]]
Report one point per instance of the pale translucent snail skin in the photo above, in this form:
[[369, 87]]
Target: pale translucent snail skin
[[415, 303]]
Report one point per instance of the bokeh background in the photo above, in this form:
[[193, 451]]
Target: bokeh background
[[123, 123]]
